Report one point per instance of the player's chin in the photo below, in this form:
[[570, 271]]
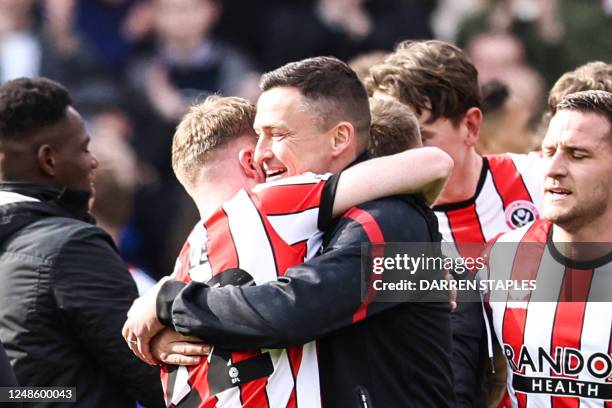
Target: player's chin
[[557, 214]]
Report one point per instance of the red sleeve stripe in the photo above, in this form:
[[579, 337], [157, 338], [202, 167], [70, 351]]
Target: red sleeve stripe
[[507, 179], [221, 248], [292, 198], [375, 236]]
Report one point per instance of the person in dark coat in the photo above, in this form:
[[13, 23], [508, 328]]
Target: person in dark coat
[[64, 290]]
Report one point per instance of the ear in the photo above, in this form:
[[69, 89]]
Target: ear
[[343, 136], [246, 157], [47, 160], [472, 121]]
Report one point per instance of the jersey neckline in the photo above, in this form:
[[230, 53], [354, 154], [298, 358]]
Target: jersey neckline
[[465, 203], [571, 263]]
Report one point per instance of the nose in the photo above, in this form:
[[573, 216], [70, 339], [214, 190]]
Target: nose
[[556, 165], [94, 162], [263, 150]]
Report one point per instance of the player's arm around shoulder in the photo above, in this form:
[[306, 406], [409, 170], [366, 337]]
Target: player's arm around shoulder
[[423, 170]]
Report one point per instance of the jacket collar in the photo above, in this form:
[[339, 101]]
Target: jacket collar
[[76, 202]]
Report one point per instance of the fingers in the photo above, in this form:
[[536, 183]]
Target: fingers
[[144, 351], [453, 300], [181, 353], [452, 295], [190, 349], [124, 331], [453, 305], [133, 345], [178, 359], [130, 339]]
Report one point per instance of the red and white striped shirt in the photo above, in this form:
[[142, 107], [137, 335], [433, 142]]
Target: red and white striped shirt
[[556, 338], [508, 196], [254, 236]]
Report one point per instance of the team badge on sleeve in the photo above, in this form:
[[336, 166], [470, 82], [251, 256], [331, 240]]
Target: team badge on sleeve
[[521, 213]]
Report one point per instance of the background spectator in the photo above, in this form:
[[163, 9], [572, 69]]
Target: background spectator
[[342, 28]]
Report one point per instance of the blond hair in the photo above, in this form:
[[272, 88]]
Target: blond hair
[[207, 127]]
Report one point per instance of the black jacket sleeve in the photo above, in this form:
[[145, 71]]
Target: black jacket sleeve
[[94, 291], [309, 301]]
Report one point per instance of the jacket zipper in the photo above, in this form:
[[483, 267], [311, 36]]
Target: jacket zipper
[[363, 397]]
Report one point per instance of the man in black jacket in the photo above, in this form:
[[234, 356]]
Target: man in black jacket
[[64, 290], [313, 115]]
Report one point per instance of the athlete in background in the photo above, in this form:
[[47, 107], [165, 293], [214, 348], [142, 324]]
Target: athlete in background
[[486, 195]]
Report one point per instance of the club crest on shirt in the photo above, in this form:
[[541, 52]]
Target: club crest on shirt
[[520, 213]]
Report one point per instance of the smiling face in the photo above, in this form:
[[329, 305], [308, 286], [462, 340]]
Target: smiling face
[[577, 153], [289, 141]]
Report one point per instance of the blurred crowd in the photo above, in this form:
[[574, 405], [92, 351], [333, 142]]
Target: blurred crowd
[[135, 66]]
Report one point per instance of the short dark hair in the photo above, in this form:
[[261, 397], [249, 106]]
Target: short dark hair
[[593, 101], [428, 75], [394, 127], [28, 104], [330, 88]]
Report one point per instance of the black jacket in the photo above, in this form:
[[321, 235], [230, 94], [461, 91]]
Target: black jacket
[[64, 295], [398, 356]]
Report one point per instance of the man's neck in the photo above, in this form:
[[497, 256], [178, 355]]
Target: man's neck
[[210, 197], [463, 182], [584, 245]]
